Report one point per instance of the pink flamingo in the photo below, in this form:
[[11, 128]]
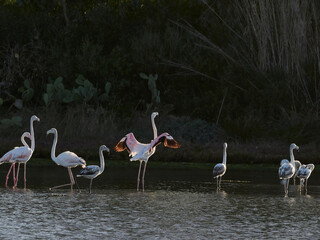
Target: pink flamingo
[[25, 160], [11, 156], [142, 152], [66, 159], [15, 155]]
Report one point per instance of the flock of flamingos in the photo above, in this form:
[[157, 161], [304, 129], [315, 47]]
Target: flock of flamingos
[[137, 152]]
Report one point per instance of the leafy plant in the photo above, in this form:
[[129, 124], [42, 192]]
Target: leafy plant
[[155, 93], [85, 91], [104, 96], [27, 91], [57, 92], [14, 121]]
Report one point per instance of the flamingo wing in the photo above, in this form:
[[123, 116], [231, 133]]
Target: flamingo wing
[[286, 171], [130, 143], [167, 141], [218, 170], [70, 159]]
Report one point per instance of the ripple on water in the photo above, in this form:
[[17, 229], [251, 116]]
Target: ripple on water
[[172, 208]]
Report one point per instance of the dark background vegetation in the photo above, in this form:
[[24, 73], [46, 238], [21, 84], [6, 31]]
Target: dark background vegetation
[[246, 72]]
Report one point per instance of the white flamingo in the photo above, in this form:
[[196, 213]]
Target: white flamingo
[[14, 154], [66, 159], [142, 152], [25, 160], [287, 169], [304, 173], [220, 169], [92, 171]]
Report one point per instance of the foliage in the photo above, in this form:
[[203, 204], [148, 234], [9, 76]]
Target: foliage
[[155, 93], [27, 91], [265, 53], [15, 121]]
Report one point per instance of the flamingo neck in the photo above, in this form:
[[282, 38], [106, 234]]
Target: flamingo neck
[[54, 145], [291, 155], [24, 142], [224, 156], [155, 132], [101, 160], [33, 143]]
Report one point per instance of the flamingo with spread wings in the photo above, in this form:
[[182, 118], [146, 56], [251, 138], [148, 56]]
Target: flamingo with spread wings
[[141, 151]]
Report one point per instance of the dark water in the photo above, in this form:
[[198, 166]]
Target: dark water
[[177, 204]]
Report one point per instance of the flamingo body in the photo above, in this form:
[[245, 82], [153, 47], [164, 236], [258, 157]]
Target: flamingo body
[[90, 172], [219, 170], [304, 172], [286, 171], [18, 154], [69, 159]]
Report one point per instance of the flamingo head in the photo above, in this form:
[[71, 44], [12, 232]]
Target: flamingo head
[[104, 148], [225, 145], [35, 118], [294, 146], [154, 114], [52, 130], [311, 166], [27, 135]]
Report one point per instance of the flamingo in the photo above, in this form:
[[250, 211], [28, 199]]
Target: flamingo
[[220, 169], [25, 160], [66, 159], [13, 155], [304, 173], [92, 171], [142, 152], [287, 169]]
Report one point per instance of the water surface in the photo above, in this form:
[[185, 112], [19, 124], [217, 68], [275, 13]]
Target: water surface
[[177, 204]]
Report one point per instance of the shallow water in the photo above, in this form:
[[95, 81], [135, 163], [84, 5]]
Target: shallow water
[[177, 204]]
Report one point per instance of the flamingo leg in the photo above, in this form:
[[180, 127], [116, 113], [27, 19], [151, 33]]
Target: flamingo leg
[[220, 182], [217, 183], [14, 174], [17, 177], [68, 184], [25, 175], [138, 180], [8, 174], [144, 172], [306, 186], [294, 181], [90, 185]]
